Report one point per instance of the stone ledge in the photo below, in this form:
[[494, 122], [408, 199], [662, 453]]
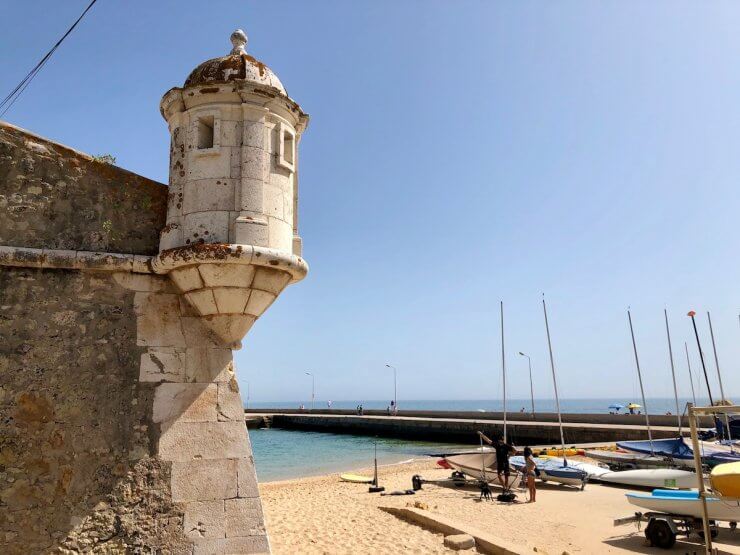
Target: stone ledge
[[55, 259], [484, 542], [224, 253]]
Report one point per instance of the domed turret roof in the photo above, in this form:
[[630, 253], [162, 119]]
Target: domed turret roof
[[237, 66]]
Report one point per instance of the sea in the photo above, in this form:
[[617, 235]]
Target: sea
[[287, 454]]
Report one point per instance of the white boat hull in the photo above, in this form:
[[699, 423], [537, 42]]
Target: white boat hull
[[479, 464], [592, 470], [651, 478], [545, 476], [718, 509], [551, 470]]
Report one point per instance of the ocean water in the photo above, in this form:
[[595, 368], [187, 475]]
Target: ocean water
[[655, 405], [285, 454]]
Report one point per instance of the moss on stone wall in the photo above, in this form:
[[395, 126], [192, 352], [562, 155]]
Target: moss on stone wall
[[54, 197], [76, 472]]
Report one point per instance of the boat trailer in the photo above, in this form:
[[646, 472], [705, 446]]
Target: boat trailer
[[663, 528]]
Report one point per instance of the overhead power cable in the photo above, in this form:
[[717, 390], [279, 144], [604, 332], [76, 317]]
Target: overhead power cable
[[9, 100]]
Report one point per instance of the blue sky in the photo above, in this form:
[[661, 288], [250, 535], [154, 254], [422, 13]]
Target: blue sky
[[459, 153]]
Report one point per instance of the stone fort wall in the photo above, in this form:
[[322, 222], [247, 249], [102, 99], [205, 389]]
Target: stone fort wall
[[122, 425]]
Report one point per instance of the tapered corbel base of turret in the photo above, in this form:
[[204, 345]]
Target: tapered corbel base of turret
[[229, 286]]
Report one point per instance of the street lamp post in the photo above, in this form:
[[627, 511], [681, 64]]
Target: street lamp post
[[531, 387], [313, 387], [395, 389]]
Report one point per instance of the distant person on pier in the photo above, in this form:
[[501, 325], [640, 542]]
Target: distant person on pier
[[394, 408], [328, 404]]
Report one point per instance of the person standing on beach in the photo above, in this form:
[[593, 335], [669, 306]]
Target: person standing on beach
[[530, 471], [503, 451]]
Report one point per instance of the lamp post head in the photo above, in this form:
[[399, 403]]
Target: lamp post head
[[521, 353]]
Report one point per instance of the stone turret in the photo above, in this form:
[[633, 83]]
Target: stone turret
[[231, 242]]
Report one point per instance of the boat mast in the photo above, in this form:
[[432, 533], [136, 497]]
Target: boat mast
[[691, 315], [691, 379], [673, 370], [642, 389], [554, 382], [719, 376], [503, 364]]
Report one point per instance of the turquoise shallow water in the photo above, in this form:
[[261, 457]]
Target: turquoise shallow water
[[285, 454]]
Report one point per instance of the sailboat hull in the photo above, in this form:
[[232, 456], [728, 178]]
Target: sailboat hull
[[686, 503], [680, 449], [651, 478], [552, 470], [478, 464]]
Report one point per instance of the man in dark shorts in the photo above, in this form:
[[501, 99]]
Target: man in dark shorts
[[503, 451]]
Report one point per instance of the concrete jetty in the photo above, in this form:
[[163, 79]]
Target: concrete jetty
[[462, 427]]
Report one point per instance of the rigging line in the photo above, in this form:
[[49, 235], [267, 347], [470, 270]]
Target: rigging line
[[10, 99]]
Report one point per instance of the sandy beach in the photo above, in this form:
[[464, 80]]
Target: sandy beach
[[324, 515]]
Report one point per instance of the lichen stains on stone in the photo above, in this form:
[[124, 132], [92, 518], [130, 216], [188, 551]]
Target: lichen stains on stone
[[255, 62], [201, 251], [32, 409], [234, 67]]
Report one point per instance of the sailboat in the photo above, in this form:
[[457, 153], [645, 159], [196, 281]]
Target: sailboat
[[649, 477], [477, 463], [481, 463], [686, 503], [679, 450], [629, 460], [551, 469]]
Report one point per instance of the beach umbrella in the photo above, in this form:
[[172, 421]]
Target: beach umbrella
[[616, 406]]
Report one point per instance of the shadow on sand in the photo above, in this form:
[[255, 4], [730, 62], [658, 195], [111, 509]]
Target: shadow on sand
[[727, 542]]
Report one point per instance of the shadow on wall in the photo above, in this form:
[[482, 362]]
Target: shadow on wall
[[76, 469]]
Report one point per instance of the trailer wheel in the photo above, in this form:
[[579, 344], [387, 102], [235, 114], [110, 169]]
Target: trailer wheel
[[659, 534], [712, 532]]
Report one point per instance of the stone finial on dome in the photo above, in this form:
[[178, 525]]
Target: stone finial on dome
[[239, 42]]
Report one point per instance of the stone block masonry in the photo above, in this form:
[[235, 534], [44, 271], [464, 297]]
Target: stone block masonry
[[123, 428], [77, 471]]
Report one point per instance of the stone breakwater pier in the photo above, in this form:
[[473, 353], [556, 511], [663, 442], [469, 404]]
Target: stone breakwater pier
[[462, 426]]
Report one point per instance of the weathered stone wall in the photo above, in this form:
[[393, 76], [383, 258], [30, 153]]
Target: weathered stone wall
[[76, 466], [122, 427], [54, 197]]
